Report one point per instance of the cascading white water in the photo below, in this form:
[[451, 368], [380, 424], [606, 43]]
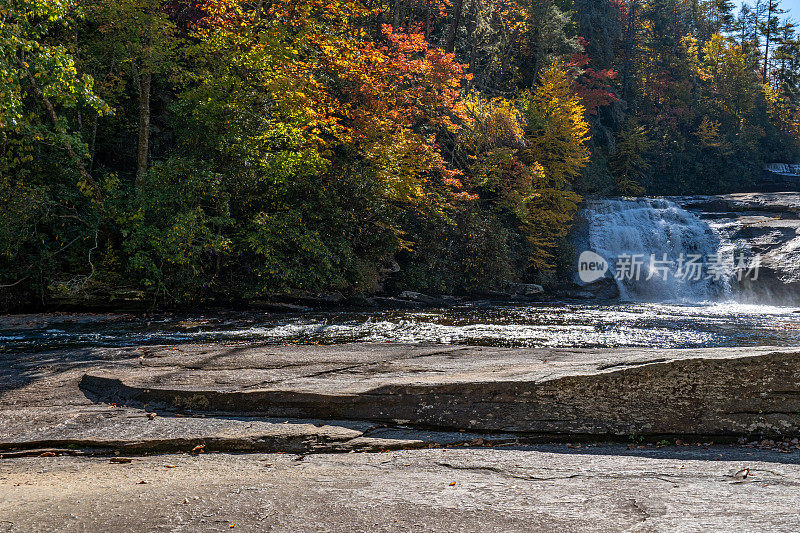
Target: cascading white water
[[656, 228]]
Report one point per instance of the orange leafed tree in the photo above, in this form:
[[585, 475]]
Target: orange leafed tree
[[391, 100]]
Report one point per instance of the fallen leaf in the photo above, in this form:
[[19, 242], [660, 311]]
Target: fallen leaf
[[170, 466], [742, 474], [452, 483], [120, 460]]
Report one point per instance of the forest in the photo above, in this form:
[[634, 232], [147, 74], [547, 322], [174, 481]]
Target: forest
[[196, 151]]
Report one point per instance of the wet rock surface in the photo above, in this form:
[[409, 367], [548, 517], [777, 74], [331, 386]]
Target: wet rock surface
[[763, 224], [786, 203]]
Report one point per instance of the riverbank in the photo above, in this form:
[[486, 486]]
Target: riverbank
[[216, 436], [747, 225]]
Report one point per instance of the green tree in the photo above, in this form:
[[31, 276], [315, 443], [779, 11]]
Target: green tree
[[628, 164], [33, 62], [138, 40]]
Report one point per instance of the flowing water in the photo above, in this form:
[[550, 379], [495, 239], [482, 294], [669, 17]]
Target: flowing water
[[657, 231], [542, 325]]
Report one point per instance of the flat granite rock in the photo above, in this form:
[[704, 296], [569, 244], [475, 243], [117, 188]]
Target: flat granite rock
[[543, 488], [647, 392]]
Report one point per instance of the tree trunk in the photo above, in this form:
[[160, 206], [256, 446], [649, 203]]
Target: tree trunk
[[770, 7], [428, 20], [451, 37], [396, 17], [472, 24], [378, 24], [534, 49], [143, 149], [51, 111], [628, 55]]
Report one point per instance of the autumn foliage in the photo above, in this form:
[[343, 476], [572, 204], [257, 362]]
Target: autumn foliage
[[205, 150]]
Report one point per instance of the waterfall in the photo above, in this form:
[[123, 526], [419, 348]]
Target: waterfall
[[663, 236]]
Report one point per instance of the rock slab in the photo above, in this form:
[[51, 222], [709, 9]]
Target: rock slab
[[597, 393]]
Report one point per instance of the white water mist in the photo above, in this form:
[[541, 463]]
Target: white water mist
[[655, 227]]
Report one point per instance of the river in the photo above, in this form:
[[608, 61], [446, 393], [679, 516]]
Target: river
[[570, 325]]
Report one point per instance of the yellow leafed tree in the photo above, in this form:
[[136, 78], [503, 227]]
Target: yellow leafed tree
[[528, 154], [556, 128]]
